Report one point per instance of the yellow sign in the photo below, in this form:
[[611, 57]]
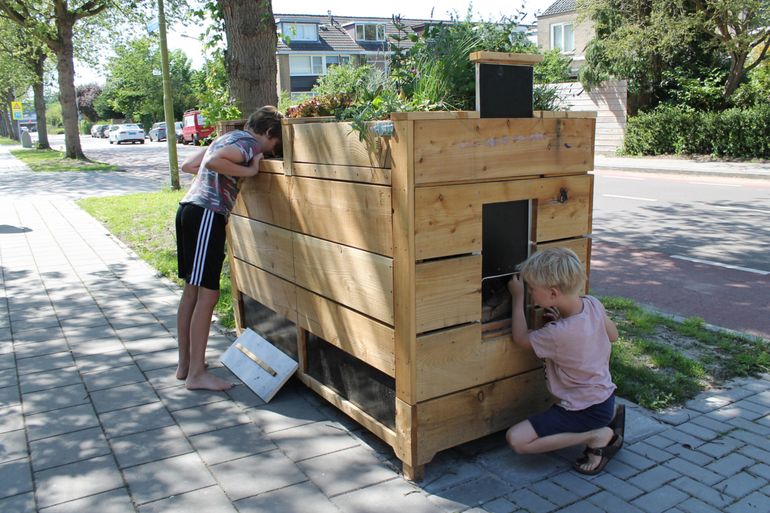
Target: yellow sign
[[16, 106]]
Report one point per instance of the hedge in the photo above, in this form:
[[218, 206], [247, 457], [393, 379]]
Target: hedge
[[740, 133]]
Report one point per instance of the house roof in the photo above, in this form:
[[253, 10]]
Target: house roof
[[337, 33], [560, 7]]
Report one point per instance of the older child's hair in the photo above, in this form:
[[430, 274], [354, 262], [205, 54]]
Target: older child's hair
[[554, 267], [265, 120]]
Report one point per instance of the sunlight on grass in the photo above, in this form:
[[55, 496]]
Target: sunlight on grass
[[659, 362], [145, 223], [53, 161], [5, 141]]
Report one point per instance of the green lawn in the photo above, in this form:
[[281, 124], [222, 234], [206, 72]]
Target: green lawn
[[145, 223], [5, 141], [53, 161], [657, 362]]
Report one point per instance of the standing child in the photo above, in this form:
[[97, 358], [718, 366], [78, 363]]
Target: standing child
[[576, 348], [200, 231]]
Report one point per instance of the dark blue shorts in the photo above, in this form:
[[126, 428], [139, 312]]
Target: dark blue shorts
[[556, 419]]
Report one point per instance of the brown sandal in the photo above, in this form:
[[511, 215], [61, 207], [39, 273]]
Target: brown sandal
[[618, 424], [605, 453]]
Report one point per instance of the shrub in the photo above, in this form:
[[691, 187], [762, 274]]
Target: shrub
[[738, 133]]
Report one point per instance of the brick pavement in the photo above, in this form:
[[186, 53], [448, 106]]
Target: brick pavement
[[92, 419]]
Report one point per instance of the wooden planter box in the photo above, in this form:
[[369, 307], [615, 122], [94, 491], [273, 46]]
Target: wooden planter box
[[364, 261]]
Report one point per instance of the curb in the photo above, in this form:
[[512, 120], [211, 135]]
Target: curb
[[679, 171]]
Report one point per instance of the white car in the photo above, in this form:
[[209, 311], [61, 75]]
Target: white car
[[126, 133]]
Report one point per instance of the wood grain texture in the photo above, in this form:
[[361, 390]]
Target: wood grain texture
[[354, 214], [355, 278], [354, 333], [447, 292], [484, 149]]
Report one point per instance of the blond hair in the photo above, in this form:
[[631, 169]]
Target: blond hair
[[554, 267]]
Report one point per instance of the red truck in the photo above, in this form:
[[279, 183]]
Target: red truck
[[194, 128]]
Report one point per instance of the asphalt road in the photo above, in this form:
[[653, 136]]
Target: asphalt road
[[689, 245]]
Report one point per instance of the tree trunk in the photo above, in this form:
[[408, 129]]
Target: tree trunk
[[12, 124], [734, 77], [66, 69], [39, 92], [4, 123], [250, 56]]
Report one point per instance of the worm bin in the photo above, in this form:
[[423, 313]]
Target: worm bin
[[381, 265]]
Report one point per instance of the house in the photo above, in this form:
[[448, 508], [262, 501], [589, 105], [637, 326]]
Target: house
[[558, 27], [309, 44]]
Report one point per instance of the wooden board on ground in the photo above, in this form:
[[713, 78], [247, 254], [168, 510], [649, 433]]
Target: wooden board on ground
[[260, 365]]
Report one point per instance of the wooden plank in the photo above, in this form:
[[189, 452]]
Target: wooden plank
[[266, 197], [337, 143], [356, 334], [483, 149], [455, 114], [458, 358], [581, 246], [354, 214], [469, 414], [406, 441], [358, 279], [371, 175], [516, 59], [302, 121], [447, 292], [351, 410], [448, 218], [287, 145], [262, 245], [404, 263], [560, 216], [275, 293], [273, 166]]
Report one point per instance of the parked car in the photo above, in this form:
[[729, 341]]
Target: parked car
[[102, 131], [109, 129], [95, 130], [158, 131], [194, 128], [178, 131], [126, 133]]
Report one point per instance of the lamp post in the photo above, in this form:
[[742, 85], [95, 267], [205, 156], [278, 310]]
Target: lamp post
[[168, 100]]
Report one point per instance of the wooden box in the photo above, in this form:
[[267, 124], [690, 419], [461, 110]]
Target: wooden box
[[364, 260]]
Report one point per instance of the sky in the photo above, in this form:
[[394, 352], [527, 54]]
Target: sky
[[184, 38]]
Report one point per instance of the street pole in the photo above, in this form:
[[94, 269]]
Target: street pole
[[168, 101]]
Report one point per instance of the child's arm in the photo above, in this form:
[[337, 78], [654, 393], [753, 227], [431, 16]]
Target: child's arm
[[612, 330], [193, 162], [229, 161], [519, 333]]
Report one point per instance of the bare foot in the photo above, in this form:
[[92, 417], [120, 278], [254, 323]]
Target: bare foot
[[207, 381], [602, 439], [182, 370]]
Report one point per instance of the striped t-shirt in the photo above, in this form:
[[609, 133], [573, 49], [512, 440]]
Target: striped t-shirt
[[216, 191]]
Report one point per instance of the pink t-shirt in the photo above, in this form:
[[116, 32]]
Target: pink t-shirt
[[576, 350]]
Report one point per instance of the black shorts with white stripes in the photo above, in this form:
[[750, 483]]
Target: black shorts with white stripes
[[200, 245]]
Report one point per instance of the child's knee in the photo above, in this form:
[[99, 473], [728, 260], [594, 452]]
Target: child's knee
[[515, 441]]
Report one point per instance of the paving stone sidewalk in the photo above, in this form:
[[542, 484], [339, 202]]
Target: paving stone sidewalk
[[93, 420]]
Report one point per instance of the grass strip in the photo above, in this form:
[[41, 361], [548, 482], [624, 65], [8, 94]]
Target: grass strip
[[145, 223], [53, 161]]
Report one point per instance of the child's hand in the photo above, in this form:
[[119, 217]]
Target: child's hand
[[254, 165], [516, 286], [552, 314]]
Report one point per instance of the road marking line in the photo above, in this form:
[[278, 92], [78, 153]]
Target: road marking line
[[717, 184], [628, 197], [752, 210], [718, 264], [625, 177]]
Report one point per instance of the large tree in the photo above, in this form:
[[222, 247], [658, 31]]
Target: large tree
[[134, 84], [53, 23], [742, 28], [648, 41], [29, 56], [251, 38]]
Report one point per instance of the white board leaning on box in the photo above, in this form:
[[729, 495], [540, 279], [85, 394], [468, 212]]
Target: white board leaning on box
[[259, 364]]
